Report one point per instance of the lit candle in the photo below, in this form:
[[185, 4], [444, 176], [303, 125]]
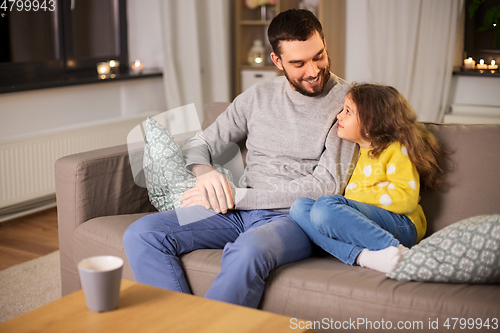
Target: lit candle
[[469, 63], [114, 65], [493, 65], [256, 53], [103, 68], [482, 65], [137, 67]]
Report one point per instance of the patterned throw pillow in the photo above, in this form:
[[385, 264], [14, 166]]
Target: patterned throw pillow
[[164, 168], [464, 252]]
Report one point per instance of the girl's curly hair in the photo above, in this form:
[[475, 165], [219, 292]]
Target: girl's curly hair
[[386, 116]]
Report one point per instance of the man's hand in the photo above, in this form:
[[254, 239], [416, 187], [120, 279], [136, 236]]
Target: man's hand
[[212, 189]]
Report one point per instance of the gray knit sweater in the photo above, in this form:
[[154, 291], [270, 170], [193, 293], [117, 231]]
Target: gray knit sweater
[[293, 147]]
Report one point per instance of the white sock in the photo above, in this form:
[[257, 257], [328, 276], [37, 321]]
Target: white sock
[[403, 251], [385, 260]]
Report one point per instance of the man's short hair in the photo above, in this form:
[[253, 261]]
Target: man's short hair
[[292, 24]]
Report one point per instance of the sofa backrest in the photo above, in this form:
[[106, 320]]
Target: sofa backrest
[[212, 111], [473, 182]]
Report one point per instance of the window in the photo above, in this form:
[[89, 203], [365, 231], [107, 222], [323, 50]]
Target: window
[[49, 40], [479, 42]]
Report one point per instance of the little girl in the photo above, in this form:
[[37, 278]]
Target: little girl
[[379, 217]]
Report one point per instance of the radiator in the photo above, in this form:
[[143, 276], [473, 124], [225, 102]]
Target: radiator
[[27, 164]]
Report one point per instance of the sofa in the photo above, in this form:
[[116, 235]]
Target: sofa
[[97, 199]]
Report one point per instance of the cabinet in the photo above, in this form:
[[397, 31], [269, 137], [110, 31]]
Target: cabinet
[[251, 76], [252, 24]]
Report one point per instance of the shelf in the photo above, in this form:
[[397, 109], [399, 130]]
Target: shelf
[[259, 67], [477, 72], [71, 79], [255, 22]]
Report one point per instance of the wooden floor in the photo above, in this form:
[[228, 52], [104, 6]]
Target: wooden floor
[[28, 238]]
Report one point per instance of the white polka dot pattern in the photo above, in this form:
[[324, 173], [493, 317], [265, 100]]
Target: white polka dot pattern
[[385, 200], [388, 181], [391, 169], [367, 171], [351, 186], [404, 150]]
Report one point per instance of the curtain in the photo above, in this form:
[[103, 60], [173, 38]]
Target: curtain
[[196, 46], [408, 44]]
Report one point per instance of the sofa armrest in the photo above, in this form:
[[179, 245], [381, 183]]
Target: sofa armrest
[[89, 185], [94, 184], [100, 183], [212, 111], [97, 183]]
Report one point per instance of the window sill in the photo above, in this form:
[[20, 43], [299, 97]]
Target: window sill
[[477, 72], [72, 79]]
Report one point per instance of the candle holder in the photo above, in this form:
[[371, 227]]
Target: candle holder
[[482, 65], [256, 54], [103, 69], [114, 66], [136, 67], [469, 63]]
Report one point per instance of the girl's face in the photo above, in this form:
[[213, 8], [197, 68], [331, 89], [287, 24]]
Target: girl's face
[[349, 127]]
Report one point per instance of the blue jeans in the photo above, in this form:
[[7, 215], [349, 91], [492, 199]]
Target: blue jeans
[[344, 227], [254, 243]]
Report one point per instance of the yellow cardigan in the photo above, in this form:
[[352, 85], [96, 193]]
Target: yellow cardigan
[[390, 181]]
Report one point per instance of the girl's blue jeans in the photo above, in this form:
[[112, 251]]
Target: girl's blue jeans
[[254, 243], [344, 227]]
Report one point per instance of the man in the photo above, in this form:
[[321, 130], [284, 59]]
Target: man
[[293, 151]]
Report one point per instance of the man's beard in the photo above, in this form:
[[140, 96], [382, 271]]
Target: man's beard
[[324, 76]]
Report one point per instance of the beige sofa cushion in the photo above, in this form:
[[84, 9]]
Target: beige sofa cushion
[[103, 236], [299, 289]]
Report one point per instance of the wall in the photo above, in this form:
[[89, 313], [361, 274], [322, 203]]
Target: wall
[[475, 90], [474, 99], [30, 113]]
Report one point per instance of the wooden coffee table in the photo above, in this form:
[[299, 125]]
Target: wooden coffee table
[[144, 308]]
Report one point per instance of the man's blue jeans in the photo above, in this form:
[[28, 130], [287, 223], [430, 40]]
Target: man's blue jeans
[[344, 227], [254, 243]]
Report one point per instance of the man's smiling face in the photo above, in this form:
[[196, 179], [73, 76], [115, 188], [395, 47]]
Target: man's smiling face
[[305, 64]]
